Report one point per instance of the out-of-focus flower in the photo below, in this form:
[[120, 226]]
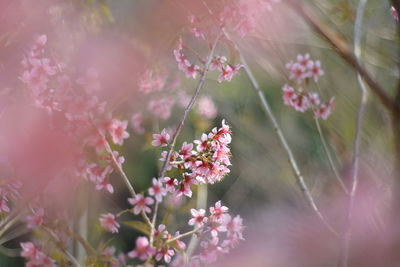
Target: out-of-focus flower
[[199, 218], [141, 203], [142, 249], [108, 221]]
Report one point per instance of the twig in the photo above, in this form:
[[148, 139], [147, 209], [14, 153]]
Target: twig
[[183, 235], [328, 155], [299, 177], [56, 239], [182, 122], [356, 149], [201, 204]]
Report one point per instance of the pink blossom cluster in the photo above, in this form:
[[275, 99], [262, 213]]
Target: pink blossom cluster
[[219, 232], [205, 161], [8, 190], [243, 16], [35, 257], [86, 120], [190, 70], [300, 99], [109, 222], [227, 70], [304, 68]]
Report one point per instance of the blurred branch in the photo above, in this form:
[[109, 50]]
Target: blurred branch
[[328, 154], [342, 49], [345, 249], [293, 163]]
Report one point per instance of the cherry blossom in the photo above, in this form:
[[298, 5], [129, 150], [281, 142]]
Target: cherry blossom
[[199, 218], [108, 221], [218, 210], [118, 131], [161, 139], [228, 72], [35, 257], [206, 107], [136, 122], [142, 249], [157, 190], [36, 219], [170, 184], [141, 203], [161, 107]]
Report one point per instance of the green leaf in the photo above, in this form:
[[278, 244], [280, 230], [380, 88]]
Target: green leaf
[[138, 225]]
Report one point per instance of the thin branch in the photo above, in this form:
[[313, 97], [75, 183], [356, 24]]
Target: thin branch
[[357, 138], [182, 122], [342, 49], [183, 235], [328, 155], [57, 241], [202, 195], [299, 177], [190, 105]]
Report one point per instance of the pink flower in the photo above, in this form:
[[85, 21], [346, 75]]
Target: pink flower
[[170, 184], [305, 61], [151, 82], [234, 226], [103, 183], [136, 121], [288, 94], [37, 218], [298, 72], [108, 221], [29, 250], [186, 150], [207, 108], [157, 190], [218, 211], [228, 72], [191, 71], [315, 70], [199, 218], [184, 189], [141, 203], [142, 250], [325, 110], [118, 131], [217, 63], [161, 107], [161, 139], [166, 253]]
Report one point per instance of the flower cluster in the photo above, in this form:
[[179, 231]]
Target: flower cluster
[[109, 222], [242, 17], [227, 70], [219, 232], [35, 257], [87, 122], [304, 68], [206, 163], [298, 98]]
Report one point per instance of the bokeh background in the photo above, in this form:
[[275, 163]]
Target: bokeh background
[[123, 38]]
